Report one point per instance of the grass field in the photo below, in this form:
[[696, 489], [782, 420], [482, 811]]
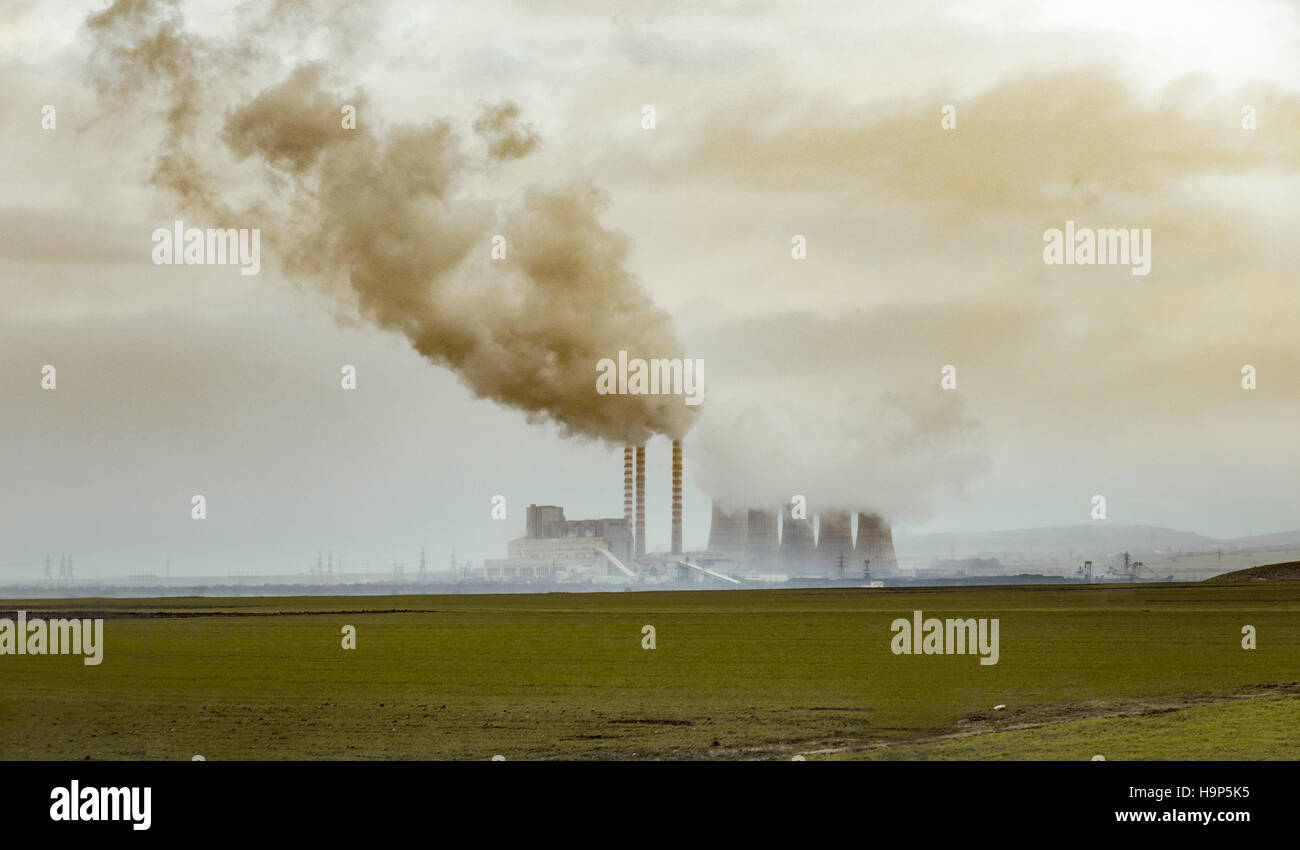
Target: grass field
[[1131, 672]]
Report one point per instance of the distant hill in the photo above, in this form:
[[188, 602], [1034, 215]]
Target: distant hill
[[1078, 542], [1289, 571], [1281, 538]]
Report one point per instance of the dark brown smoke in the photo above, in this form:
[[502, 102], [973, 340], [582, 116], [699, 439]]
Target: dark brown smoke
[[141, 51], [388, 223], [506, 135]]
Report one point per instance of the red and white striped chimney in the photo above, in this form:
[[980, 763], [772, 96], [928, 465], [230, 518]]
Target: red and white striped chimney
[[640, 501], [677, 497], [629, 492]]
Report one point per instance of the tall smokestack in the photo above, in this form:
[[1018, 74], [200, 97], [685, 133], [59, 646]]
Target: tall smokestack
[[640, 501], [629, 490], [677, 497]]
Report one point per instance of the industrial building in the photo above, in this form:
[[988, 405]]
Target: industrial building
[[555, 548], [757, 543]]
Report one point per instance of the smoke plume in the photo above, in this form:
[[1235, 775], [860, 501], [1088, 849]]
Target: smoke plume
[[865, 429], [399, 226]]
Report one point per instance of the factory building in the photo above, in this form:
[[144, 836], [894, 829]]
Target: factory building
[[754, 542], [557, 548]]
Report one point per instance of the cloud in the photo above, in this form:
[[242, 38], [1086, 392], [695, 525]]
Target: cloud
[[1032, 141]]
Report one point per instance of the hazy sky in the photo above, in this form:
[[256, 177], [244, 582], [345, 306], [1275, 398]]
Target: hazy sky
[[822, 119]]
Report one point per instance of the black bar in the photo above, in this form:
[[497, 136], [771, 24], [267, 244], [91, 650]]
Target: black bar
[[439, 799]]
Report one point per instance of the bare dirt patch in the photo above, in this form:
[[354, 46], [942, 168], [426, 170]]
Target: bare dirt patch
[[1034, 717]]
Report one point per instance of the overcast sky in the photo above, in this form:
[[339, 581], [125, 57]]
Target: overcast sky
[[822, 119]]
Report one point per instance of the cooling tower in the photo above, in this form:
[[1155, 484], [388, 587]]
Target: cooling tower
[[640, 501], [762, 544], [835, 544], [727, 533], [677, 497], [876, 543], [797, 556]]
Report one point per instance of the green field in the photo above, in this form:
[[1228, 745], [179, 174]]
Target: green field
[[1130, 672]]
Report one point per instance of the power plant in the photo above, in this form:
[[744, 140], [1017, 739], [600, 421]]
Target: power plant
[[834, 543], [797, 543], [876, 543], [746, 544]]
